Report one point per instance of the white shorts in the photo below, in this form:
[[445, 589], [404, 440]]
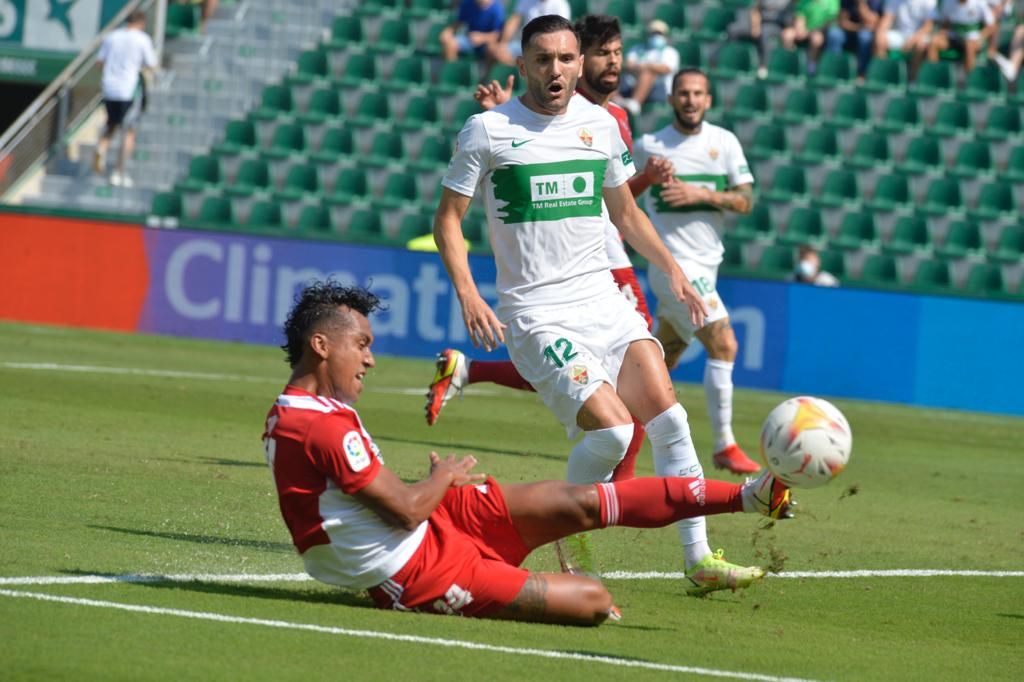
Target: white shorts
[[704, 279], [565, 353], [896, 39]]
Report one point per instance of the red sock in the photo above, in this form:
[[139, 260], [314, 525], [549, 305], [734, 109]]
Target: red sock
[[625, 469], [501, 372], [657, 502]]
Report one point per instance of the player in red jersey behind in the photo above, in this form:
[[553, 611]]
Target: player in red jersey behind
[[452, 542]]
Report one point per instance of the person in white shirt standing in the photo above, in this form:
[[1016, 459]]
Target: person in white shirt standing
[[124, 55], [711, 176]]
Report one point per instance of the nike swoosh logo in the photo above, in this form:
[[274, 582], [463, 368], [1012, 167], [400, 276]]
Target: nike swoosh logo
[[516, 144]]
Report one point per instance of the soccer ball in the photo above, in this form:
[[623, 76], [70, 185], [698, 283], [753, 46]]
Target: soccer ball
[[806, 442]]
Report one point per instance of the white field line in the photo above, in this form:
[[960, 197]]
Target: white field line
[[413, 639], [203, 376], [138, 578]]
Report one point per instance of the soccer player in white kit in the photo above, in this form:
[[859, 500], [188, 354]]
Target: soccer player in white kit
[[544, 161], [711, 175]]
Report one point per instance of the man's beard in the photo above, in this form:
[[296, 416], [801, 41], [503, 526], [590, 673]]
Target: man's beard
[[599, 87], [686, 126]]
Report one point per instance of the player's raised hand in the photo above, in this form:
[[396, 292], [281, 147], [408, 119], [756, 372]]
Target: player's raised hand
[[490, 95], [459, 468], [689, 297], [482, 324], [659, 170]]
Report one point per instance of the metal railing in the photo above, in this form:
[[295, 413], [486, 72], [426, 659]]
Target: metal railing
[[43, 128]]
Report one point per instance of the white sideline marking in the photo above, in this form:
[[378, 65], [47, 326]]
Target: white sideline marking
[[208, 376], [136, 578], [415, 639]]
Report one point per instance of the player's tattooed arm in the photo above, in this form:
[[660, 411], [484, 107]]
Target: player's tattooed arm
[[739, 199], [532, 601]]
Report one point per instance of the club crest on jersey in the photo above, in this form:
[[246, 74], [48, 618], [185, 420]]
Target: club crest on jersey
[[713, 303], [713, 153], [355, 452], [578, 373], [586, 137]]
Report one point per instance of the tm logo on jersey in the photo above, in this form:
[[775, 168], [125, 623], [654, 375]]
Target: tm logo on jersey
[[549, 191]]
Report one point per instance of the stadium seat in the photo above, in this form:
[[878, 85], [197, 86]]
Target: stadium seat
[[394, 35], [203, 172], [962, 238], [732, 258], [314, 218], [984, 82], [253, 176], [856, 230], [820, 146], [301, 181], [932, 275], [754, 225], [288, 139], [238, 136], [387, 148], [350, 184], [892, 192], [276, 102], [182, 19], [901, 115], [909, 235], [785, 66], [413, 225], [1015, 165], [885, 74], [434, 153], [934, 79], [952, 118], [1003, 123], [324, 105], [870, 152], [420, 114], [879, 270], [265, 213], [364, 225], [690, 54], [360, 69], [751, 102], [399, 190], [996, 201], [985, 279], [941, 198], [336, 143], [801, 107], [216, 212], [426, 8], [714, 23], [972, 160], [850, 109], [804, 226], [673, 14], [1010, 248], [835, 69], [776, 260], [769, 142], [312, 66], [839, 189], [372, 108], [167, 205], [408, 71], [464, 108], [735, 60], [833, 262], [347, 30], [923, 155], [788, 184], [455, 78]]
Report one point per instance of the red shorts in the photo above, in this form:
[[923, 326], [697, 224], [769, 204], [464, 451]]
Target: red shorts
[[626, 281], [468, 563]]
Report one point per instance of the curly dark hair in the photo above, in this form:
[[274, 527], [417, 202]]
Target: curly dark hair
[[597, 29], [316, 307]]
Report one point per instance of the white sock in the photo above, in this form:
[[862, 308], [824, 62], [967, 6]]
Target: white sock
[[674, 455], [718, 393], [596, 455]]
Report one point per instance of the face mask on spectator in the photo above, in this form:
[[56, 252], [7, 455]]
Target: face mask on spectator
[[657, 41], [806, 269]]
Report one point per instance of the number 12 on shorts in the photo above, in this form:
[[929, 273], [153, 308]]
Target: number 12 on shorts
[[560, 352]]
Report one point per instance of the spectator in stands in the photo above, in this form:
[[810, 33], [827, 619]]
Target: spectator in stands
[[813, 18], [476, 28], [1001, 9], [766, 22], [207, 8], [808, 269], [648, 68], [962, 26], [905, 26], [1011, 65], [124, 55], [855, 29], [508, 47]]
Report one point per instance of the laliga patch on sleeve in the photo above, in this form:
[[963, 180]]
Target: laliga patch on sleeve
[[626, 158], [358, 457]]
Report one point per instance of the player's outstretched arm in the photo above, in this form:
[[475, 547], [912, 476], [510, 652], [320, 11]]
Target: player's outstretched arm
[[408, 505], [641, 235], [482, 324]]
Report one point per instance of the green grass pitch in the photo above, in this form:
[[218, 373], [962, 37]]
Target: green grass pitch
[[141, 455]]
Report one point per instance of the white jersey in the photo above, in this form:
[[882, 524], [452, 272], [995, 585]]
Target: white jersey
[[965, 19], [909, 15], [542, 178], [712, 158], [124, 53]]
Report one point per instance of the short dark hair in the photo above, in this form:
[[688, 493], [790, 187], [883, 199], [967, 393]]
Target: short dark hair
[[597, 29], [316, 307], [547, 23], [137, 17], [690, 71]]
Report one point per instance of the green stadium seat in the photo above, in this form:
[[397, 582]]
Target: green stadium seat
[[962, 238], [276, 102], [833, 262], [414, 225], [301, 181], [501, 72], [324, 105], [973, 159], [167, 205], [579, 8], [804, 226], [732, 258], [365, 226], [776, 260], [856, 230], [420, 114], [360, 69], [315, 218], [386, 148], [690, 54], [427, 8], [312, 66], [941, 198], [265, 213], [1003, 123], [399, 190], [892, 192], [1015, 165], [984, 82], [850, 109], [464, 108], [870, 152], [909, 235], [714, 23], [879, 270], [901, 115], [428, 36], [996, 201], [835, 69], [455, 78], [216, 212], [394, 35], [182, 19], [785, 66], [336, 143], [203, 172], [839, 190], [350, 185], [409, 71], [820, 146], [788, 184], [253, 176], [985, 279], [288, 139], [885, 74], [346, 30], [932, 275], [673, 14], [1010, 247], [371, 109], [952, 118], [934, 79], [801, 107], [923, 155], [754, 225], [238, 136], [434, 153], [751, 102], [735, 60]]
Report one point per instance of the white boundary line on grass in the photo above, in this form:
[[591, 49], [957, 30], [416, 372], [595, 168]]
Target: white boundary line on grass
[[137, 578], [414, 639]]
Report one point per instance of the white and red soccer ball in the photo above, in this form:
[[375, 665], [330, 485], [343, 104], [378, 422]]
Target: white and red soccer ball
[[806, 442]]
